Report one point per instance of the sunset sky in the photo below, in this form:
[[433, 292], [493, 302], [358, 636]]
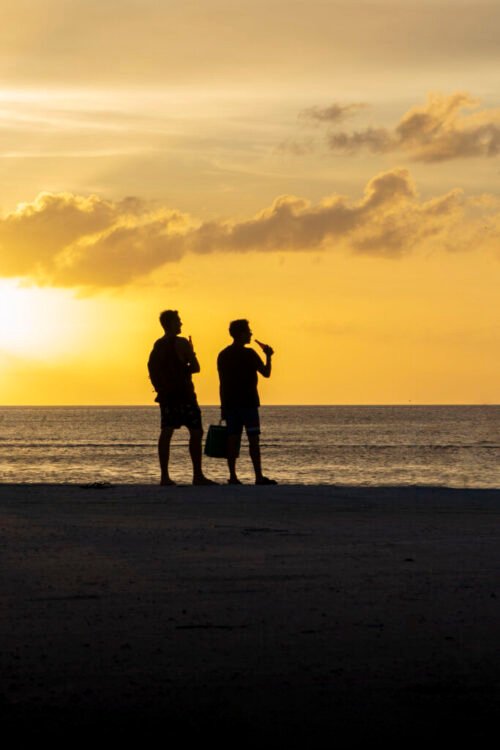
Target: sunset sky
[[329, 170]]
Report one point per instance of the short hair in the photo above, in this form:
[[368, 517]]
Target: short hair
[[238, 326], [167, 317]]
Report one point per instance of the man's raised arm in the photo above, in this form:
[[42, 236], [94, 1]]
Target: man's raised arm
[[265, 369]]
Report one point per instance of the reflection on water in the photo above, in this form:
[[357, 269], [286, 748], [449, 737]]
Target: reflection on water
[[455, 446]]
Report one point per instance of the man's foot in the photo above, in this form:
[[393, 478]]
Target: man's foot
[[234, 480], [265, 480], [204, 481], [167, 482]]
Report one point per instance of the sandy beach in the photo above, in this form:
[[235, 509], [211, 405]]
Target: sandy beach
[[249, 613]]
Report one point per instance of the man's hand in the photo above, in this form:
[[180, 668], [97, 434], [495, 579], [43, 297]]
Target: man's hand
[[268, 350]]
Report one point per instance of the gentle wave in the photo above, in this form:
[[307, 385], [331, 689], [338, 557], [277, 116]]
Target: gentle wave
[[265, 444]]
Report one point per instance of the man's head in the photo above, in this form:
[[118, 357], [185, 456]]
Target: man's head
[[170, 321], [240, 331]]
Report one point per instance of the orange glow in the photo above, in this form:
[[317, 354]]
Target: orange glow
[[354, 222]]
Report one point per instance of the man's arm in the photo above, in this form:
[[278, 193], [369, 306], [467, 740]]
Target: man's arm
[[264, 369], [186, 354]]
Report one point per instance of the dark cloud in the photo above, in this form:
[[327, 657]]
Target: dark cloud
[[75, 241], [377, 140], [332, 114], [437, 131]]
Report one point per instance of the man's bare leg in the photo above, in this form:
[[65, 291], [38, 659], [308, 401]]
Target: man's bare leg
[[195, 438], [232, 454], [164, 455], [254, 450]]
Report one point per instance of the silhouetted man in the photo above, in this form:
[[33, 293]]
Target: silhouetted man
[[171, 365], [238, 366]]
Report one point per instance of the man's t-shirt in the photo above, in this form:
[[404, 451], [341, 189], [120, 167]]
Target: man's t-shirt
[[170, 376], [238, 367]]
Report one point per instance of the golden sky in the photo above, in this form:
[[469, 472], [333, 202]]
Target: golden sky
[[328, 170]]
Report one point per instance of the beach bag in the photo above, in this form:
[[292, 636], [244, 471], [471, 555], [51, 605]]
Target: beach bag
[[216, 442]]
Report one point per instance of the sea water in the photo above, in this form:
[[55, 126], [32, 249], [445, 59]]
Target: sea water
[[454, 446]]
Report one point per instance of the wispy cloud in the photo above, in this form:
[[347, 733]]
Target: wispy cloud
[[75, 241], [332, 114], [317, 116]]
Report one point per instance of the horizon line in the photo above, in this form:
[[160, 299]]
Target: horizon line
[[262, 406]]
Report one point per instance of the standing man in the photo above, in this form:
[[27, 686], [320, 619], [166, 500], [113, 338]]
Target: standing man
[[238, 367], [171, 365]]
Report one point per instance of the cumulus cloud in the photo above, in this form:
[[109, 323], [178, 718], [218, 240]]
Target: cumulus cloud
[[35, 233], [74, 241], [441, 129]]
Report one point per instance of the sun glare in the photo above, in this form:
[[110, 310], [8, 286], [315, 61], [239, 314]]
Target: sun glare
[[33, 322]]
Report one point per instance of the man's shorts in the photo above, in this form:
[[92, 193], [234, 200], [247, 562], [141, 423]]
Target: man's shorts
[[175, 414], [243, 416]]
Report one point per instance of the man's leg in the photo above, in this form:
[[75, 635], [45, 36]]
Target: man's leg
[[232, 454], [254, 449], [195, 438], [164, 454], [234, 429]]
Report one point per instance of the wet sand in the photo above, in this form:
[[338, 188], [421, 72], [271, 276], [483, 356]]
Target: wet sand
[[247, 613]]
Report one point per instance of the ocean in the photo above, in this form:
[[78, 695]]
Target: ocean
[[454, 446]]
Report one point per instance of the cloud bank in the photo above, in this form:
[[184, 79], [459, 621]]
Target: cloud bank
[[436, 131], [69, 240]]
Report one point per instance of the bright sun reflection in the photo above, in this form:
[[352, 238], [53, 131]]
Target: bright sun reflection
[[33, 322]]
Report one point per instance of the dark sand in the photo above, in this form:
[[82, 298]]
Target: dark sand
[[249, 614]]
